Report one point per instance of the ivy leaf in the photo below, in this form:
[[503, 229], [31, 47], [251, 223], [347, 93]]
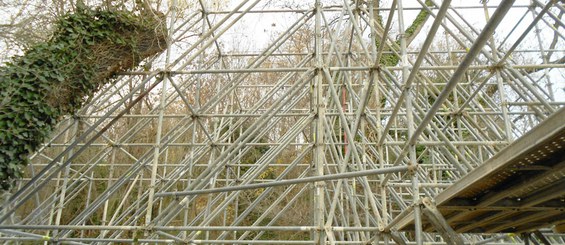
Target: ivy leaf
[[31, 85]]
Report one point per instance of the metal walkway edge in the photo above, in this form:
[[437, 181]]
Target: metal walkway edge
[[520, 189]]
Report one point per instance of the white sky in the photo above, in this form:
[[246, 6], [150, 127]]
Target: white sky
[[255, 31]]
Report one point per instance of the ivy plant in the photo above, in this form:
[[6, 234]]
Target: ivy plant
[[52, 79]]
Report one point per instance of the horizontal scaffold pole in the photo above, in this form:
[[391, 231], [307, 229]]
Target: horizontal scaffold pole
[[288, 182]]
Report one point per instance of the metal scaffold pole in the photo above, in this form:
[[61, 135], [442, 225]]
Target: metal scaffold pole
[[315, 122]]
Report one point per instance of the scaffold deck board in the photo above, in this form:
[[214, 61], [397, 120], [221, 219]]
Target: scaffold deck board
[[522, 188]]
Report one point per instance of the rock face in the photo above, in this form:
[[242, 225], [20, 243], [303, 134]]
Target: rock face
[[52, 79]]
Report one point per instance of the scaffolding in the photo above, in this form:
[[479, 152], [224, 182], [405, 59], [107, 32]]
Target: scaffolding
[[315, 122]]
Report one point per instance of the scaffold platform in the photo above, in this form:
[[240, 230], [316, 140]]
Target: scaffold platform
[[520, 189]]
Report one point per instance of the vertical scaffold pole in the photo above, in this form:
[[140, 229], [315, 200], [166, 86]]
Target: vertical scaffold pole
[[62, 196], [319, 205], [410, 126], [499, 83], [161, 110]]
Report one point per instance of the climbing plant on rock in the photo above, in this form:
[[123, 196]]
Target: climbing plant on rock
[[53, 78]]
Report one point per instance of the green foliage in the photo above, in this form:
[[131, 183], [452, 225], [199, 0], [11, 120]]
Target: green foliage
[[391, 59], [419, 21], [422, 155], [53, 78]]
